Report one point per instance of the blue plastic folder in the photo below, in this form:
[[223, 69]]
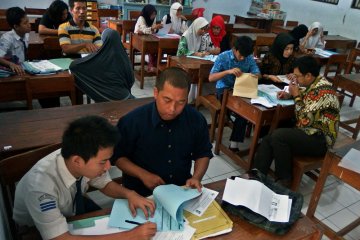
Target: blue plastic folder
[[168, 215]]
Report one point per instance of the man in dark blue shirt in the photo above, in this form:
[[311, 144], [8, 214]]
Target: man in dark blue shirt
[[160, 140]]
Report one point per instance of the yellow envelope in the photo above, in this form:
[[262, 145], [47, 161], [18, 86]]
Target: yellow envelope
[[246, 86]]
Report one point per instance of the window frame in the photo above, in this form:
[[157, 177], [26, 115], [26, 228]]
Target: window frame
[[334, 2], [355, 4]]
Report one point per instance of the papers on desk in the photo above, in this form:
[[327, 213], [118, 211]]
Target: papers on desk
[[351, 160], [47, 66], [207, 57], [168, 214], [5, 72], [199, 205], [284, 79], [324, 53], [164, 30], [267, 96], [246, 86], [258, 198]]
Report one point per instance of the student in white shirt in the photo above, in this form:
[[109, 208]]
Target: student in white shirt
[[177, 20]]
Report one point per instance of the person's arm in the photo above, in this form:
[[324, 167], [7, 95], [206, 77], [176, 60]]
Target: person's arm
[[149, 179], [47, 31], [115, 190], [183, 49], [213, 77], [200, 167], [76, 48], [14, 67]]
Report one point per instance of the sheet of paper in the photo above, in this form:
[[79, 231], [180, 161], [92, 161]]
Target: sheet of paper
[[199, 205], [323, 52], [270, 93], [257, 197], [164, 30], [351, 160], [45, 66], [207, 57], [262, 101], [186, 234], [284, 79], [246, 86]]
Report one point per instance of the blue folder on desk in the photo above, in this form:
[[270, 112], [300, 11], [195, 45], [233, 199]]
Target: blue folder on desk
[[168, 215], [51, 66]]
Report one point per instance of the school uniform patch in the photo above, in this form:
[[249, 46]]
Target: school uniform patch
[[46, 206], [46, 196]]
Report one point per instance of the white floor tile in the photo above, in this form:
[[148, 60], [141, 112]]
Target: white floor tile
[[217, 167], [342, 218], [355, 208], [327, 206]]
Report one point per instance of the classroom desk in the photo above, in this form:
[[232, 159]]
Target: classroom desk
[[115, 25], [256, 114], [253, 36], [350, 83], [302, 229], [339, 42], [330, 167], [25, 130], [255, 21], [145, 44], [243, 28], [280, 29], [190, 65], [21, 87]]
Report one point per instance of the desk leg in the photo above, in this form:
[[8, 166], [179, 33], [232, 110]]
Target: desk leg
[[221, 123], [315, 197], [254, 142], [142, 70]]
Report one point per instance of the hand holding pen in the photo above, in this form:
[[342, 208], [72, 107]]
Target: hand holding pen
[[294, 88]]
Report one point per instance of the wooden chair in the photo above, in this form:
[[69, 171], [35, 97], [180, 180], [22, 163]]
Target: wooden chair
[[4, 26], [3, 12], [304, 164], [12, 169], [190, 17], [52, 47], [60, 86], [225, 17], [14, 91], [336, 64], [168, 47], [134, 15], [239, 19], [292, 23], [128, 27], [105, 14], [353, 64], [35, 11], [209, 101], [262, 45]]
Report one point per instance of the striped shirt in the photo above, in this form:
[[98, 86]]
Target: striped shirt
[[70, 33]]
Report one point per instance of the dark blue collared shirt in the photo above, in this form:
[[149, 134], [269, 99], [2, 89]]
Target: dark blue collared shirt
[[165, 148]]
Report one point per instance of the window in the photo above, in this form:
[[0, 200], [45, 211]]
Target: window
[[356, 4], [335, 2]]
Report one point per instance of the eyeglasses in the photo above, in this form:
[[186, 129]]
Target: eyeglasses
[[216, 28]]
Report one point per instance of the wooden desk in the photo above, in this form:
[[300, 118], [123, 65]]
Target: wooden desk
[[190, 65], [330, 166], [145, 44], [253, 36], [256, 114], [254, 21], [115, 25], [350, 83], [280, 29], [243, 28], [302, 229], [25, 130], [339, 42]]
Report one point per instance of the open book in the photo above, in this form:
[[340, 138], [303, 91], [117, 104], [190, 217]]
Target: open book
[[267, 96], [47, 66], [170, 200], [259, 198]]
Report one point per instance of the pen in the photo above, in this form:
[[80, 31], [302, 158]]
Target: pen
[[133, 222]]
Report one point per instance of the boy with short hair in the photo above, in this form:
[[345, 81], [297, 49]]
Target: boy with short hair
[[13, 44], [53, 188]]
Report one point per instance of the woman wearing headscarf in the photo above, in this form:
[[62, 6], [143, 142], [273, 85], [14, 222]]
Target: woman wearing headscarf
[[279, 60], [56, 14], [177, 20], [298, 33], [314, 38], [107, 74], [216, 40], [146, 24], [191, 39]]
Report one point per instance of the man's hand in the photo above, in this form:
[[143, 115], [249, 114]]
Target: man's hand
[[137, 201], [274, 78], [235, 71], [145, 231], [294, 89], [151, 181], [283, 95], [90, 47], [194, 183], [16, 68]]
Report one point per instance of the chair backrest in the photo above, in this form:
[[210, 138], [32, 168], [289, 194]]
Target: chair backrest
[[353, 55], [60, 86], [35, 11], [4, 26], [108, 13], [239, 19], [14, 91], [224, 16], [128, 26], [134, 15], [292, 23], [277, 22], [12, 169], [52, 47], [168, 47], [261, 43], [336, 64], [204, 72], [3, 12]]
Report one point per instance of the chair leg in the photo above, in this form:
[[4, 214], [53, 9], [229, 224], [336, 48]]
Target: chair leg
[[352, 100], [214, 117], [297, 176]]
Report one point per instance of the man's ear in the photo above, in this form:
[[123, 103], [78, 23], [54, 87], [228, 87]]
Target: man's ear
[[77, 160], [156, 92]]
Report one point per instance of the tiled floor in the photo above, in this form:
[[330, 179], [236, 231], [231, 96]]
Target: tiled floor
[[339, 203]]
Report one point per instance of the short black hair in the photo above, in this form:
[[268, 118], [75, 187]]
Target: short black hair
[[175, 76], [308, 64], [71, 2], [56, 10], [85, 136], [14, 16], [244, 45]]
